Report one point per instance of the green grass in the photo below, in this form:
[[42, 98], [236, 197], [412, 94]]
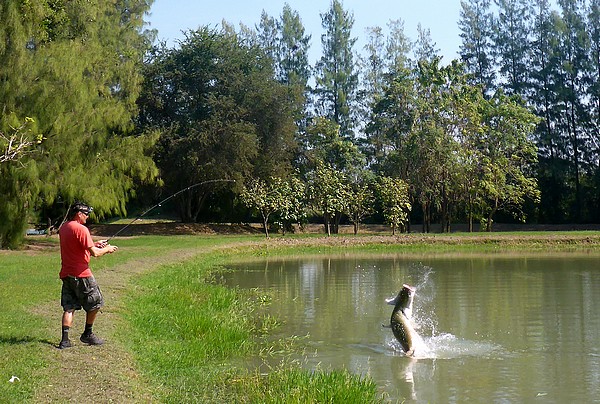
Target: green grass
[[23, 286]]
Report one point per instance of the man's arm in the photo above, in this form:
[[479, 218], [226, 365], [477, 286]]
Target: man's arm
[[101, 248]]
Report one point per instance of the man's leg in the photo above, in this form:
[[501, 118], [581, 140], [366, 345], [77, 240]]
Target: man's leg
[[88, 336], [67, 321]]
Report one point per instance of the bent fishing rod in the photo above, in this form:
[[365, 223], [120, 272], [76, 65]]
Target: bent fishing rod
[[163, 201]]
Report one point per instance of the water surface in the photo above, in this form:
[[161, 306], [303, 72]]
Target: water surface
[[499, 328]]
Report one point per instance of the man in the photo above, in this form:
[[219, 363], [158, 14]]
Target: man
[[79, 288]]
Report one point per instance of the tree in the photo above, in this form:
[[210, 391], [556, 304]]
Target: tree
[[281, 196], [506, 157], [424, 47], [571, 89], [329, 194], [386, 58], [361, 203], [293, 201], [394, 199], [285, 42], [372, 68], [294, 68], [325, 145], [552, 166], [73, 67], [263, 197], [593, 28], [398, 47], [593, 92], [392, 120], [336, 79], [512, 44], [220, 112], [476, 49]]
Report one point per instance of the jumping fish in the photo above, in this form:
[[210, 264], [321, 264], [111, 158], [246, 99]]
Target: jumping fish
[[401, 321]]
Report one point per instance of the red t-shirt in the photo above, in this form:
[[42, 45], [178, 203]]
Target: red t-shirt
[[75, 244]]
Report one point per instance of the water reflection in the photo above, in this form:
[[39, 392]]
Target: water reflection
[[499, 328]]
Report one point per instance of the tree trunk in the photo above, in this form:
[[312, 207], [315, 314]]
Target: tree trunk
[[266, 225]]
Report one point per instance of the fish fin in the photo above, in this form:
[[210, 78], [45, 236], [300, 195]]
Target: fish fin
[[386, 325]]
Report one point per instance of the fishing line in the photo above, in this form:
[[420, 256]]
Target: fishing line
[[163, 201]]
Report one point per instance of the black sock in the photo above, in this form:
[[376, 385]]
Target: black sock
[[88, 329], [65, 332]]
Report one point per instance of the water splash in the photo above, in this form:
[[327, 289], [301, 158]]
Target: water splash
[[448, 346], [435, 344]]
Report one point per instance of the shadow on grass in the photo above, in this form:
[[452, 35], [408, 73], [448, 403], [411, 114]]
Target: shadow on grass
[[12, 340]]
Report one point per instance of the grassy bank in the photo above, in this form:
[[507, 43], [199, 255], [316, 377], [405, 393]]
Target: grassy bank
[[186, 332], [175, 336]]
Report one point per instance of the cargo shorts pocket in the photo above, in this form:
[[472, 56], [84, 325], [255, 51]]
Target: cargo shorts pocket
[[93, 296]]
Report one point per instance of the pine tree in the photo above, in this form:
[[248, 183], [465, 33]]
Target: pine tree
[[552, 167], [512, 44], [73, 67], [476, 49], [294, 68], [424, 48], [572, 52], [593, 29], [398, 47], [336, 78]]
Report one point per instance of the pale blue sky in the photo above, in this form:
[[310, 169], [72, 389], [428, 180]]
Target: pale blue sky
[[441, 17]]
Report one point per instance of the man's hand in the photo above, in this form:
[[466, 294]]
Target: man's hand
[[101, 244], [102, 247]]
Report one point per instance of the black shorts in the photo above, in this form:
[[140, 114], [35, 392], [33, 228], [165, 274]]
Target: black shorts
[[78, 293]]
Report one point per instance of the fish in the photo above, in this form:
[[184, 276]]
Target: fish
[[401, 321]]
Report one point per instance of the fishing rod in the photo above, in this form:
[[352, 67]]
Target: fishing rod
[[163, 201]]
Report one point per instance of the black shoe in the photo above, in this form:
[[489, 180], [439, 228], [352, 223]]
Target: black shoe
[[91, 339], [64, 344]]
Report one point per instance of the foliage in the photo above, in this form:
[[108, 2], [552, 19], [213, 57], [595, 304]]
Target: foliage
[[549, 57], [72, 67], [504, 181], [336, 79], [361, 202], [329, 193], [393, 195], [19, 142], [476, 25], [261, 196], [325, 145], [220, 112], [293, 207], [282, 196]]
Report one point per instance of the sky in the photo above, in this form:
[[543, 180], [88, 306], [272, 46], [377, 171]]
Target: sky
[[171, 17]]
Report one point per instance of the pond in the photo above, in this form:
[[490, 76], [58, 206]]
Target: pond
[[499, 328]]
